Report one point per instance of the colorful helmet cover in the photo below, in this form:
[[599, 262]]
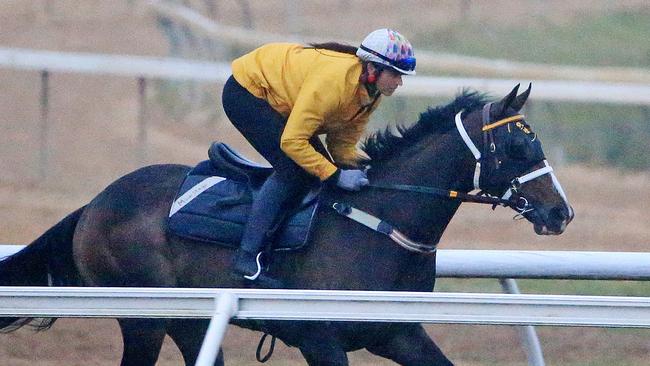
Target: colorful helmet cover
[[388, 47]]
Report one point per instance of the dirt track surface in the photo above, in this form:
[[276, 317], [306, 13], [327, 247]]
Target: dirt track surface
[[93, 142]]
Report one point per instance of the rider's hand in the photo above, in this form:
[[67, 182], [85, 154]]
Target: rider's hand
[[352, 180]]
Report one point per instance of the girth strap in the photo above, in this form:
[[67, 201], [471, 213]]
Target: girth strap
[[383, 227]]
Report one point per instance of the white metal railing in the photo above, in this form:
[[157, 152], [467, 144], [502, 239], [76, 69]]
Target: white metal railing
[[145, 68], [538, 264], [543, 264], [370, 306], [118, 65], [181, 69], [221, 305]]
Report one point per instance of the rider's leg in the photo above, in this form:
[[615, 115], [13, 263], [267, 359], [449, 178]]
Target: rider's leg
[[278, 194], [262, 126]]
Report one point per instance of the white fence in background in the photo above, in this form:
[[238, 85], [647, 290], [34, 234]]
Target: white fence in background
[[429, 61], [146, 68], [426, 86]]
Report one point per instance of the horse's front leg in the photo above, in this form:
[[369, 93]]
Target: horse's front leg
[[409, 344]]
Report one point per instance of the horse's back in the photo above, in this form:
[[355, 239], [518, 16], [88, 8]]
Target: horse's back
[[120, 239]]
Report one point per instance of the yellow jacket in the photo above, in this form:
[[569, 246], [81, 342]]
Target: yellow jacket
[[319, 93]]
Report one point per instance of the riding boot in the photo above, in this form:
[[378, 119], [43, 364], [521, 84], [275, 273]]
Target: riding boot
[[272, 197]]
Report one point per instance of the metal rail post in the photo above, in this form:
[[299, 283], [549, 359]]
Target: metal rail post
[[528, 333], [44, 149], [142, 121], [226, 308]]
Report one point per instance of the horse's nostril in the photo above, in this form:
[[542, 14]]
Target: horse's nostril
[[558, 214]]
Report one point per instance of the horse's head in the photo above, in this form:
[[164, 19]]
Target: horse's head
[[513, 166]]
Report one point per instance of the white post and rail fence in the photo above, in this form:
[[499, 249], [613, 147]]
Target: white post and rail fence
[[148, 68], [221, 305]]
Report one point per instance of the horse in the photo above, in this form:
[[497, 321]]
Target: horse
[[120, 237]]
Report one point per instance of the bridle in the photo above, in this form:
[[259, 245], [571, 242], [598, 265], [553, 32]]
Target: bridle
[[521, 205]]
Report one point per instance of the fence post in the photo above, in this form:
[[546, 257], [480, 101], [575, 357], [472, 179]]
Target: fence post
[[292, 11], [528, 333], [44, 147], [142, 121], [226, 308]]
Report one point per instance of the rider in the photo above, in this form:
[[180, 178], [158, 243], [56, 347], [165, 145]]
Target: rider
[[281, 96]]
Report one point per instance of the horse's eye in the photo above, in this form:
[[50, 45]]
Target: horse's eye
[[518, 148]]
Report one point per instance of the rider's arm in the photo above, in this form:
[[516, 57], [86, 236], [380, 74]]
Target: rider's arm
[[316, 100], [342, 143]]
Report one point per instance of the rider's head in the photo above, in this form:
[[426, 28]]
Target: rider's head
[[388, 47]]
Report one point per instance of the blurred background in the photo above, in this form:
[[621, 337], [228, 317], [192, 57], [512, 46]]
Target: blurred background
[[68, 131]]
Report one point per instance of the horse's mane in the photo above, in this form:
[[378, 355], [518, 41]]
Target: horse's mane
[[382, 145]]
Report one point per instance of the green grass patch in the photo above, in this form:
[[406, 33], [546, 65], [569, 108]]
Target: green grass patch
[[620, 38], [592, 134], [555, 287]]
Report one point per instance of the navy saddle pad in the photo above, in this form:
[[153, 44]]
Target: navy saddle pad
[[214, 209]]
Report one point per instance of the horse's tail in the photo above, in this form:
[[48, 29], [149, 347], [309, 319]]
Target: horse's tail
[[47, 261]]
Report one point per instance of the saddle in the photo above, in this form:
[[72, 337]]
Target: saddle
[[214, 200]]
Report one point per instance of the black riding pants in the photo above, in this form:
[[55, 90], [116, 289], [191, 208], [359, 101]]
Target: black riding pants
[[262, 126]]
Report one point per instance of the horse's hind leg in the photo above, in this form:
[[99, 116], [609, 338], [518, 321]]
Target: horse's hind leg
[[188, 335], [142, 340], [409, 344]]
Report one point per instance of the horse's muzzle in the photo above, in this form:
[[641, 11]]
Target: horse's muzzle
[[552, 222]]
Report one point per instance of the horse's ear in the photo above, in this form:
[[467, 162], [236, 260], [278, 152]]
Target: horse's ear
[[499, 108], [521, 99]]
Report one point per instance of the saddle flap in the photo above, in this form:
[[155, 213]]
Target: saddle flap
[[212, 209]]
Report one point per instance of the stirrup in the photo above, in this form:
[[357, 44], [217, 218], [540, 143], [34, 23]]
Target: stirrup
[[259, 268]]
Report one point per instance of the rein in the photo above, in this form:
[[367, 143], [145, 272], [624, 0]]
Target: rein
[[439, 192], [400, 238]]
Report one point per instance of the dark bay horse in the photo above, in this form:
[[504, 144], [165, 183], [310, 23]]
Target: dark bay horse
[[120, 237]]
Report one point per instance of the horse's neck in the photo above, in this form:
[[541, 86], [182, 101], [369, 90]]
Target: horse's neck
[[438, 161]]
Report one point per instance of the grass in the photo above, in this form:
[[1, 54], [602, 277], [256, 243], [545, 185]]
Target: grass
[[557, 287], [617, 39], [592, 134]]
